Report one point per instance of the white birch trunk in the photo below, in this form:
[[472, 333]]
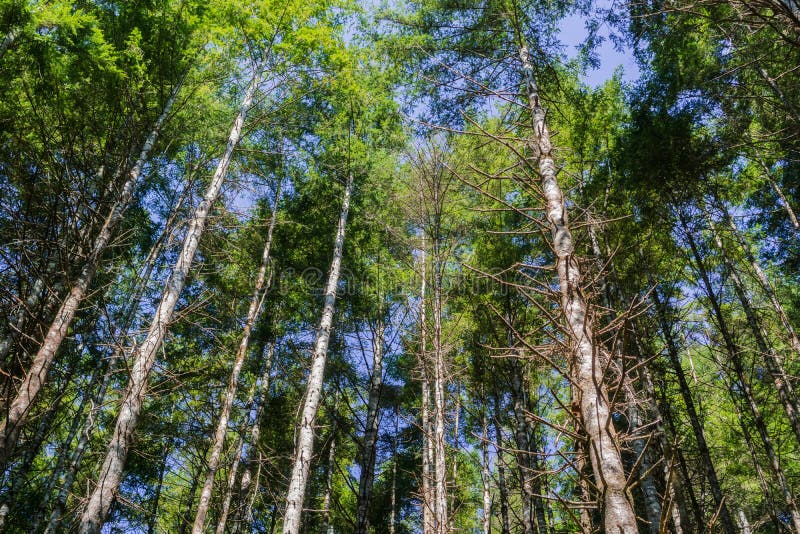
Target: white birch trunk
[[425, 424], [144, 357], [370, 431], [37, 374], [305, 440], [604, 453], [256, 303], [441, 522], [246, 481]]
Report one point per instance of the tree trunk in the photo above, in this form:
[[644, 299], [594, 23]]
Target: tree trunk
[[37, 374], [746, 390], [18, 472], [606, 460], [327, 528], [694, 418], [247, 482], [751, 448], [505, 524], [305, 440], [17, 322], [99, 399], [151, 522], [393, 497], [256, 303], [63, 468], [370, 430], [783, 385], [650, 496], [763, 280], [486, 479], [145, 355], [425, 423], [523, 449], [672, 480], [441, 520]]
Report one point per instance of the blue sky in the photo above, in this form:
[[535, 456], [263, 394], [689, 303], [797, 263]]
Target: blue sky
[[574, 33]]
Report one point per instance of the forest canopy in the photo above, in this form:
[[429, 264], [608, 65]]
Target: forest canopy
[[434, 266]]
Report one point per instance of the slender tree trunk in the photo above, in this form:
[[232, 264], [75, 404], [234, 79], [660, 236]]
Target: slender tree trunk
[[606, 460], [17, 322], [694, 418], [672, 480], [327, 528], [751, 448], [63, 467], [523, 449], [456, 427], [393, 497], [18, 472], [370, 431], [153, 520], [502, 488], [247, 481], [486, 469], [785, 201], [744, 523], [305, 440], [425, 424], [37, 374], [99, 398], [253, 493], [651, 498], [783, 385], [256, 304], [746, 390], [441, 520], [144, 357], [185, 509], [763, 280]]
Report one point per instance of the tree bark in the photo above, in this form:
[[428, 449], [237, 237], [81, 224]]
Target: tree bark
[[505, 524], [763, 280], [425, 423], [393, 497], [522, 433], [98, 401], [37, 374], [694, 418], [253, 312], [305, 441], [604, 454], [145, 355], [247, 481], [327, 528], [440, 517], [783, 385], [370, 430], [486, 479], [736, 362]]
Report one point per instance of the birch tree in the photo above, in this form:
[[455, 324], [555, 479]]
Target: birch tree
[[253, 313], [110, 474], [304, 447]]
